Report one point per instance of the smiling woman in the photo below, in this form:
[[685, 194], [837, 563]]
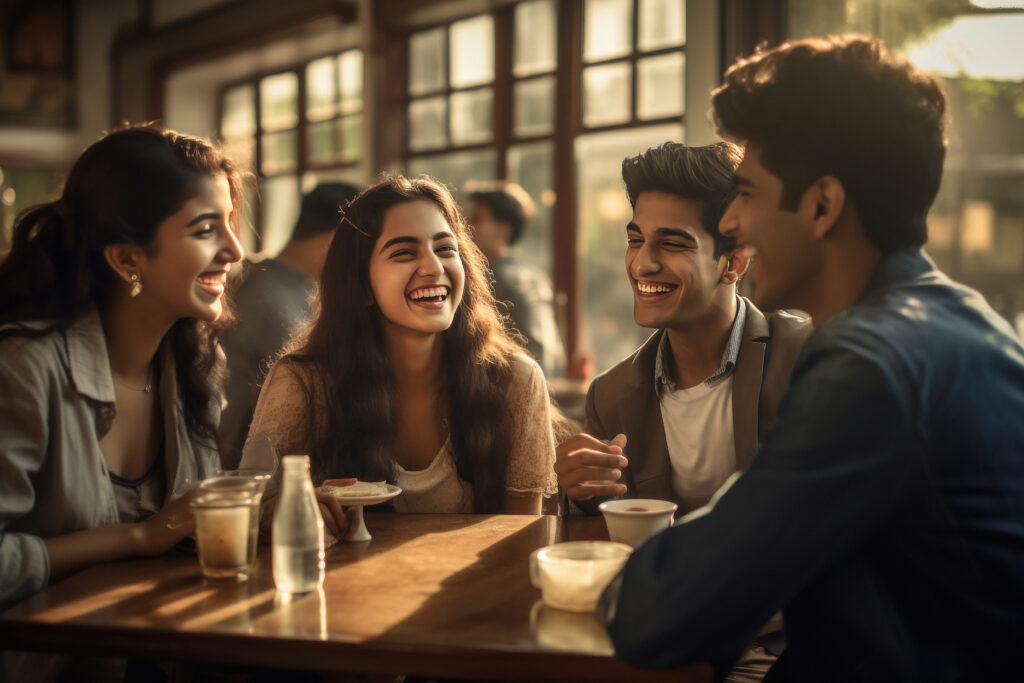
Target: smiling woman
[[111, 300], [407, 373]]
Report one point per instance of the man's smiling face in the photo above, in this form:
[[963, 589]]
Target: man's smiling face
[[670, 261]]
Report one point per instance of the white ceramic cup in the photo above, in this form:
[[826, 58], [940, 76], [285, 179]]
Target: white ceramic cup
[[572, 575], [633, 520]]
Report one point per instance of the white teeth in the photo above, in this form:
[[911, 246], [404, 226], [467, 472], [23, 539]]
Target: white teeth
[[428, 292], [651, 288]]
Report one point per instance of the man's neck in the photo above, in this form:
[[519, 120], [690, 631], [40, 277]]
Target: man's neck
[[849, 262], [305, 256], [697, 349]]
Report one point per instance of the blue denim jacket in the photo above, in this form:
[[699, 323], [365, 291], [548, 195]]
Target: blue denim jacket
[[884, 512]]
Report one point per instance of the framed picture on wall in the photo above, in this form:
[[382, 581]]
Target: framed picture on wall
[[37, 67]]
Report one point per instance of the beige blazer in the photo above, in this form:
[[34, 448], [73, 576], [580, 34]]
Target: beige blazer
[[624, 400]]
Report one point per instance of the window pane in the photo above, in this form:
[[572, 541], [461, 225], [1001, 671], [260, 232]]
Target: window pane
[[606, 94], [242, 152], [321, 89], [239, 117], [535, 106], [472, 51], [660, 86], [350, 73], [280, 152], [428, 123], [426, 61], [662, 24], [607, 29], [471, 116], [351, 129], [608, 330], [323, 146], [279, 96], [535, 37], [456, 168], [280, 198], [532, 166]]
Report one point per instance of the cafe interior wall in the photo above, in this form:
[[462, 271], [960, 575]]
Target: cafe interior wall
[[36, 149]]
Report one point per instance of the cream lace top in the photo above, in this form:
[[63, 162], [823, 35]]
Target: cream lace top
[[283, 416]]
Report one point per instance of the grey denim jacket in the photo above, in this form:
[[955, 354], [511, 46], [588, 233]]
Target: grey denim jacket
[[56, 403]]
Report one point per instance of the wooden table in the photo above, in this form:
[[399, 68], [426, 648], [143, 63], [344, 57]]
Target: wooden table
[[430, 595]]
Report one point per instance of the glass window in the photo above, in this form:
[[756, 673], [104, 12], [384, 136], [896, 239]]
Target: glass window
[[428, 123], [350, 72], [607, 29], [280, 152], [535, 38], [534, 106], [239, 117], [455, 169], [279, 102], [662, 24], [609, 332], [472, 51], [280, 197], [323, 142], [531, 165], [427, 62], [606, 94], [321, 89], [660, 86], [351, 133], [471, 116]]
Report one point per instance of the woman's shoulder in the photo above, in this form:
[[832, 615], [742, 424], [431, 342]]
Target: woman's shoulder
[[526, 378], [30, 344]]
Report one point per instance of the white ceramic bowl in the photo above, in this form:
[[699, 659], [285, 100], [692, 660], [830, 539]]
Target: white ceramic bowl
[[633, 520]]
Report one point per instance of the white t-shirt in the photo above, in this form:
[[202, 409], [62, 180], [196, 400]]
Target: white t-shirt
[[699, 434]]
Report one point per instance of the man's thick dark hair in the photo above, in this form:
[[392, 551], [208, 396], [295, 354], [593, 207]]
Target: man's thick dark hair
[[321, 209], [703, 174], [506, 206], [843, 106]]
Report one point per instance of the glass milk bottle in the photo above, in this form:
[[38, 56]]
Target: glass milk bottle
[[297, 535]]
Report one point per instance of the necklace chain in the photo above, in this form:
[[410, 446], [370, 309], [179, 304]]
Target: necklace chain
[[148, 389]]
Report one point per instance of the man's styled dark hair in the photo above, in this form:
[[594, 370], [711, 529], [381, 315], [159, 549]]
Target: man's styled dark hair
[[509, 203], [843, 106], [321, 209], [703, 174]]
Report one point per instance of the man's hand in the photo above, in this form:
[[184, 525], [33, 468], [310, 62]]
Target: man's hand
[[588, 467]]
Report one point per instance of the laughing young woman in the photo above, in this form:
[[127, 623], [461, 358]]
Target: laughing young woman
[[110, 300], [407, 373]]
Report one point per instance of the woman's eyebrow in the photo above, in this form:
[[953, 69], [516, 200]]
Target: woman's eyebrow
[[209, 215]]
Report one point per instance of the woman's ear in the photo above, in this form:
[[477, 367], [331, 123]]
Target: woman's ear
[[124, 259]]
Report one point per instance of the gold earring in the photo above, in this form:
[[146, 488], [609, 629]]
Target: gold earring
[[136, 285]]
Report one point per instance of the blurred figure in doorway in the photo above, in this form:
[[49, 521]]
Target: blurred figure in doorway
[[499, 213]]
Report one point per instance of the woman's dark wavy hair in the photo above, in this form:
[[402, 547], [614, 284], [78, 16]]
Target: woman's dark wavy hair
[[345, 348], [843, 106], [119, 191]]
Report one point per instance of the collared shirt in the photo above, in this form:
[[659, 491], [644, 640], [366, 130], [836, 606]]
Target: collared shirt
[[663, 378], [56, 403], [883, 511]]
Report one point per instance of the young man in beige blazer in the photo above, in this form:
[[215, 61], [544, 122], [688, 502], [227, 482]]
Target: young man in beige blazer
[[716, 366], [687, 409]]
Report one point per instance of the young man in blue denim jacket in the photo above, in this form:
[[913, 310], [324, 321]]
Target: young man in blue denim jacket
[[884, 513]]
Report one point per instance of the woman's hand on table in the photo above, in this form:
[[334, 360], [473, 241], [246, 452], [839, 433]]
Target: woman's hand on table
[[335, 518], [173, 522]]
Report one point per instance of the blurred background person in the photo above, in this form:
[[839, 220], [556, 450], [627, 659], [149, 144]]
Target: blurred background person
[[499, 213], [272, 301]]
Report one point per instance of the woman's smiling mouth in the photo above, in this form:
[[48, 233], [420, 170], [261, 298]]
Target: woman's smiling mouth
[[213, 282], [432, 297]]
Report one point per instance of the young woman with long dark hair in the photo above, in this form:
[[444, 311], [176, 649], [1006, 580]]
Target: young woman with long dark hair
[[111, 299], [407, 373]]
